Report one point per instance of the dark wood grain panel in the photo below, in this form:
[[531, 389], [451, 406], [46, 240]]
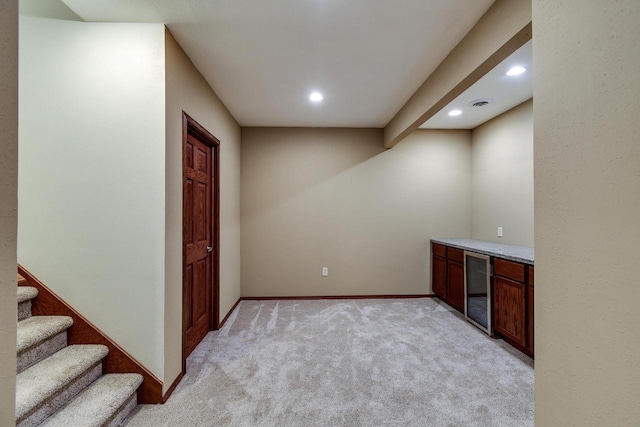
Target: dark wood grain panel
[[202, 161], [530, 339], [198, 259], [195, 175], [47, 303], [194, 131], [200, 291], [509, 269], [201, 164], [195, 251], [187, 225], [188, 296], [455, 285], [188, 155], [455, 254], [439, 276], [530, 274], [439, 250], [509, 309], [200, 231]]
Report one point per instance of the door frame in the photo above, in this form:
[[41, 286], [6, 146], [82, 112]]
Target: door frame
[[193, 128]]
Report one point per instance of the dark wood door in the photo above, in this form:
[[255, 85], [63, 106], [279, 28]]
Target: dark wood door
[[455, 285], [509, 309], [439, 276], [197, 239]]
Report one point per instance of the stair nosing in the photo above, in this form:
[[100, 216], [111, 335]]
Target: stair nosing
[[129, 383], [51, 380], [26, 293], [28, 336]]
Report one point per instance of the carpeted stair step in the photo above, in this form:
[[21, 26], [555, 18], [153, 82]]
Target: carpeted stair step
[[48, 385], [39, 337], [106, 402], [25, 295]]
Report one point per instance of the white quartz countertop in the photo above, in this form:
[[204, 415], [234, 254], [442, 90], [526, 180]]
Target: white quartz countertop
[[522, 254]]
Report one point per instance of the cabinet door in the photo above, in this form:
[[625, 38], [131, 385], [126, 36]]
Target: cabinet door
[[509, 309], [530, 319], [455, 285], [439, 278]]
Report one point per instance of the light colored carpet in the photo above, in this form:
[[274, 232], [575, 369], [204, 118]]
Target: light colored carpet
[[348, 363]]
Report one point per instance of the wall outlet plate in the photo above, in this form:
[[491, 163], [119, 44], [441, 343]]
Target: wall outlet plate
[[499, 231], [325, 271]]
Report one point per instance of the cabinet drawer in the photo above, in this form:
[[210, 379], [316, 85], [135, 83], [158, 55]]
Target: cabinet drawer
[[455, 255], [439, 250], [510, 269]]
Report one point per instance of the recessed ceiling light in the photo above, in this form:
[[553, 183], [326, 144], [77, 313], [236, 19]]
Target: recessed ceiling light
[[454, 113], [516, 71], [316, 96]]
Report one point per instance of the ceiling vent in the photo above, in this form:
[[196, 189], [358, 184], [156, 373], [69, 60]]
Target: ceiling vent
[[480, 102]]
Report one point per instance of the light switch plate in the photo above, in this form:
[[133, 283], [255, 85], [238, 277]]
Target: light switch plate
[[325, 271], [499, 231]]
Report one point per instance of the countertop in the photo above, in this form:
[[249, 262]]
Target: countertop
[[511, 252]]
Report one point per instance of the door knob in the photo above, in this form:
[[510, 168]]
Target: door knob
[[209, 248]]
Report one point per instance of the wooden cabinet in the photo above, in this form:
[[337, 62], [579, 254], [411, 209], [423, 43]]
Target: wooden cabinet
[[530, 311], [439, 275], [455, 254], [447, 270], [509, 312], [455, 285], [513, 303], [512, 293], [509, 269]]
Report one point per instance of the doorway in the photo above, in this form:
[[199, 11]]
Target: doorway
[[200, 234]]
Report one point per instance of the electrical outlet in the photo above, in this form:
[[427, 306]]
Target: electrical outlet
[[499, 231], [325, 271]]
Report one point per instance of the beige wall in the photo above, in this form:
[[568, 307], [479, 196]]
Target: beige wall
[[187, 90], [92, 168], [8, 206], [587, 212], [101, 178], [335, 198], [502, 178], [501, 31]]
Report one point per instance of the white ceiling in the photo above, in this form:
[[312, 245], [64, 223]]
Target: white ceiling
[[263, 58], [506, 92]]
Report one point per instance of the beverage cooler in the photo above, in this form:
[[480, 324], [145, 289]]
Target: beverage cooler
[[477, 290]]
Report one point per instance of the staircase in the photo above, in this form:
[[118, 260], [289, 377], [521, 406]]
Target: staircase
[[62, 385]]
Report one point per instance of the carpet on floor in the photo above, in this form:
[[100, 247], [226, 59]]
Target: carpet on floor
[[401, 362]]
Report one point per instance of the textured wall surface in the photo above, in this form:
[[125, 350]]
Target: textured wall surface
[[92, 168], [8, 206], [336, 198], [188, 91], [502, 178], [587, 210]]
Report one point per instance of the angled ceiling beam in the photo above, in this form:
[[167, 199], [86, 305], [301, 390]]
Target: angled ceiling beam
[[501, 31]]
